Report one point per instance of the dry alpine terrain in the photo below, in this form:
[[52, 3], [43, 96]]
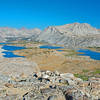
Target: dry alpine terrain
[[50, 74]]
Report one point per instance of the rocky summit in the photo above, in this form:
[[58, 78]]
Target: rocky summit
[[73, 35], [47, 85]]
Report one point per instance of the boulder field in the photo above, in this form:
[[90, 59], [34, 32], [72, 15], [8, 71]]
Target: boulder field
[[47, 85]]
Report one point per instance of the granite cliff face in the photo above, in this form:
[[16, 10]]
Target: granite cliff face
[[71, 35]]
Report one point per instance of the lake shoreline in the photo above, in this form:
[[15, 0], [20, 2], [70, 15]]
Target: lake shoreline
[[1, 50]]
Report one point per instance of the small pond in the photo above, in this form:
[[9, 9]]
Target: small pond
[[92, 54], [50, 47]]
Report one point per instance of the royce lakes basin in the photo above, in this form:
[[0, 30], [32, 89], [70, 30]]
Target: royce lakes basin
[[8, 51]]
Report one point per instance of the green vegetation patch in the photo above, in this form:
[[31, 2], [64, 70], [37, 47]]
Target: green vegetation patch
[[84, 77], [97, 71], [86, 74]]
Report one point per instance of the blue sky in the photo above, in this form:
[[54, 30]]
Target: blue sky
[[44, 13]]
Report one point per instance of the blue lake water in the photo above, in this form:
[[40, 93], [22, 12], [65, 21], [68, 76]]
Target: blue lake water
[[85, 52], [60, 50], [3, 43], [12, 48], [50, 47], [92, 54], [9, 53]]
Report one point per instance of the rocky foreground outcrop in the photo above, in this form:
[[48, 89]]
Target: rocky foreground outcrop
[[47, 85]]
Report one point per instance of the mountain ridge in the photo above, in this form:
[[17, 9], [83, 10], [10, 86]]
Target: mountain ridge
[[70, 35], [14, 34]]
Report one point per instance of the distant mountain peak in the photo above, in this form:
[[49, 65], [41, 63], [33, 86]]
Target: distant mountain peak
[[75, 29], [71, 35]]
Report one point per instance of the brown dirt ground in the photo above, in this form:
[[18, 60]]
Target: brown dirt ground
[[66, 61]]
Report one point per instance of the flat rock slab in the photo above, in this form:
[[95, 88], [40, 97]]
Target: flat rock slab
[[17, 66]]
